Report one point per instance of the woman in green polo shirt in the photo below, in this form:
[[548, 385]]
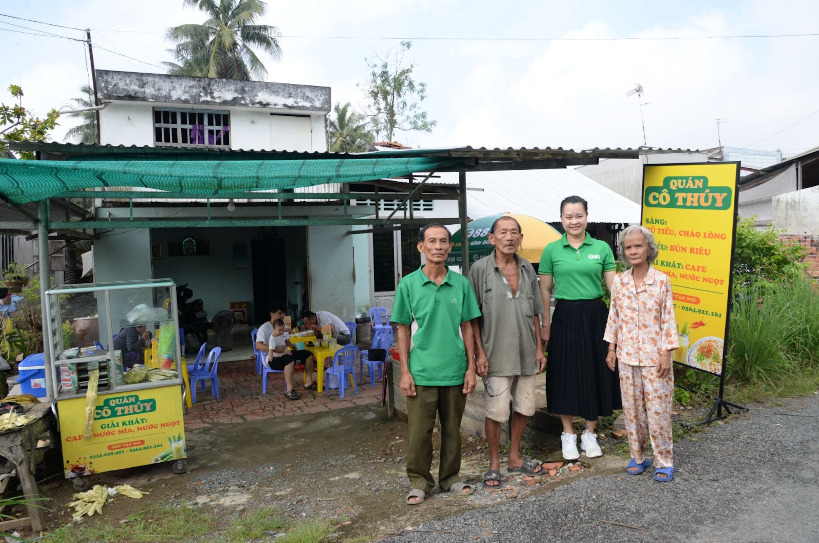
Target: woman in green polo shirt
[[578, 381]]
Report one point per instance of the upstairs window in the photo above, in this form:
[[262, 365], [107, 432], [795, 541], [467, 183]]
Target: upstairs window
[[191, 128]]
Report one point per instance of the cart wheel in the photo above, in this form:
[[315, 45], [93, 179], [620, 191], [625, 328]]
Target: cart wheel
[[80, 483], [179, 467]]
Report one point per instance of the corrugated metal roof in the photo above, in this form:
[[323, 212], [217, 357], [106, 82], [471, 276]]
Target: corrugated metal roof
[[482, 158], [539, 192]]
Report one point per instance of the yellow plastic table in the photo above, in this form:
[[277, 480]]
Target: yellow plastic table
[[321, 354]]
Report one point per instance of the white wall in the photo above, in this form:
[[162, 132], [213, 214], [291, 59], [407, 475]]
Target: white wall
[[797, 212], [124, 123], [213, 277], [757, 199], [121, 255], [332, 272], [289, 133], [362, 289]]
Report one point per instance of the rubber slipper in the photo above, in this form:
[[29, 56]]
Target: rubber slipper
[[529, 467], [492, 475], [634, 468], [668, 472], [461, 487], [416, 493], [292, 395], [311, 386]]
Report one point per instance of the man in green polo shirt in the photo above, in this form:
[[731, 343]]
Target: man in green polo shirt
[[433, 309]]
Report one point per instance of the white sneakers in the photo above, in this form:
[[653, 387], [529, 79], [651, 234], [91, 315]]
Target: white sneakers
[[569, 446], [588, 442]]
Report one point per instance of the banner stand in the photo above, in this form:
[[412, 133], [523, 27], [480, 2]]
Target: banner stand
[[691, 209], [719, 402]]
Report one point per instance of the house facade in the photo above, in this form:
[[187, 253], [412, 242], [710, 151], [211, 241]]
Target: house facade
[[226, 265]]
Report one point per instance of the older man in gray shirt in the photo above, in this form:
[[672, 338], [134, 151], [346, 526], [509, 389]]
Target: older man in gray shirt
[[507, 343]]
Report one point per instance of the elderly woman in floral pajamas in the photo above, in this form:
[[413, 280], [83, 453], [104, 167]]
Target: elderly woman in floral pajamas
[[641, 333]]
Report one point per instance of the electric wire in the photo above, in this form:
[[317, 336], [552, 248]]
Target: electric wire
[[485, 38], [41, 22], [784, 129]]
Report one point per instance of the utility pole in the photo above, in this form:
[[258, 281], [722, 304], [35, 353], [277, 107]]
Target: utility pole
[[94, 81]]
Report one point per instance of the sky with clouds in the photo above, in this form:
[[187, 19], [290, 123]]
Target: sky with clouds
[[530, 73]]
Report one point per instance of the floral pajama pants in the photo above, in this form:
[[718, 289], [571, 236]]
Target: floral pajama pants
[[647, 401]]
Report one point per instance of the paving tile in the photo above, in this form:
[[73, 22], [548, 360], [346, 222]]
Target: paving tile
[[242, 399]]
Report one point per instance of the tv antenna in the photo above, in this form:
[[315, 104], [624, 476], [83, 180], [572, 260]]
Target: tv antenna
[[719, 122], [638, 90]]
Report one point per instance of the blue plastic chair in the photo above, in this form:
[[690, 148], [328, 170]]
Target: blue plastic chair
[[382, 340], [257, 352], [197, 364], [261, 362], [343, 367], [351, 327], [379, 319], [208, 372]]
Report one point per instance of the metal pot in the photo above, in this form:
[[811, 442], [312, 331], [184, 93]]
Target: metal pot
[[363, 330]]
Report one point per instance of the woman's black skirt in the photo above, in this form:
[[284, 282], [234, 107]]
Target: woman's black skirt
[[578, 381]]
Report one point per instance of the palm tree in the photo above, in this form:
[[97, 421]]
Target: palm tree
[[86, 131], [221, 46], [348, 131]]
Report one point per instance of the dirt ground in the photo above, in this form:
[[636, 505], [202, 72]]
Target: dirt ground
[[346, 466]]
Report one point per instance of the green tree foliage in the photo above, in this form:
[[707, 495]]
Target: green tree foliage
[[395, 96], [347, 131], [222, 46], [86, 131], [19, 124], [761, 257]]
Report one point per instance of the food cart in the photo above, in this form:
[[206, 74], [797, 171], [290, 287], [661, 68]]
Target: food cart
[[117, 406]]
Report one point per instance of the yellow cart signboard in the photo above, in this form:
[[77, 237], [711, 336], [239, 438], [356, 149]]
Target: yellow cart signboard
[[130, 429], [691, 209]]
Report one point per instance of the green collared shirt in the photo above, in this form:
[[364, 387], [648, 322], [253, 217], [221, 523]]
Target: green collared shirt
[[577, 272], [435, 313], [507, 326]]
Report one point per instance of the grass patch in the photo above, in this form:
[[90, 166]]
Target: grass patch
[[311, 531], [184, 523], [154, 523], [255, 525]]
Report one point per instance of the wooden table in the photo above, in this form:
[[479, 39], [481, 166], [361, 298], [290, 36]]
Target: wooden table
[[18, 446]]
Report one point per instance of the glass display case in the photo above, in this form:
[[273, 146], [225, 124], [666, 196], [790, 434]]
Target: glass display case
[[128, 331]]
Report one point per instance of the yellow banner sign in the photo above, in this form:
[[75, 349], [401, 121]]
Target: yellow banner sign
[[130, 429], [691, 209]]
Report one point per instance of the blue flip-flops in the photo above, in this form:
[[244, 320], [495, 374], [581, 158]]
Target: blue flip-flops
[[634, 468], [668, 472]]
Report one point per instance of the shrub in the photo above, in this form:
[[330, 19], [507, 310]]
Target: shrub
[[760, 256], [761, 329]]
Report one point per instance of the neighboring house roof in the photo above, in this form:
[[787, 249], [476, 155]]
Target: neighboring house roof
[[539, 192], [772, 171]]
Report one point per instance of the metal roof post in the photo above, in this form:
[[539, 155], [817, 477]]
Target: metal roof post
[[462, 216], [45, 283]]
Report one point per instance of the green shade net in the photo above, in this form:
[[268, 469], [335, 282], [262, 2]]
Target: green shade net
[[23, 181]]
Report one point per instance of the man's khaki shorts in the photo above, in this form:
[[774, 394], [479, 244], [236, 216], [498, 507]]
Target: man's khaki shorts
[[518, 389]]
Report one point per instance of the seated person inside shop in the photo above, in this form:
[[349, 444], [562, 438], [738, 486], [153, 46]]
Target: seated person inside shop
[[264, 342], [315, 321], [132, 340]]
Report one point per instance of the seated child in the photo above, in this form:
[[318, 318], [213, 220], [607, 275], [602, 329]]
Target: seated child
[[278, 341]]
